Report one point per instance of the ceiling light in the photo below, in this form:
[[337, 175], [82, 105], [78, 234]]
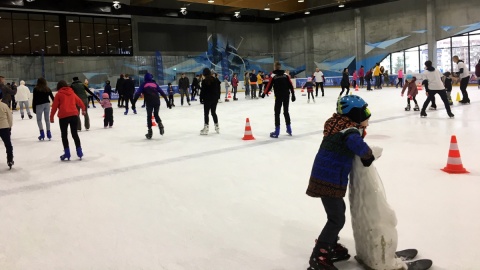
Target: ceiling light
[[211, 1], [237, 14], [100, 33], [183, 10], [70, 20], [30, 1], [116, 5], [56, 26], [277, 19], [341, 5], [307, 12], [301, 1], [267, 7]]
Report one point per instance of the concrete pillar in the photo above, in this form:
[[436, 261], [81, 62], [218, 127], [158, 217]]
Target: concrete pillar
[[308, 48], [431, 33], [359, 38]]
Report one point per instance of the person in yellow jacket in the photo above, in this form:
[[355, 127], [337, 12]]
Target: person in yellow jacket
[[260, 82], [376, 74]]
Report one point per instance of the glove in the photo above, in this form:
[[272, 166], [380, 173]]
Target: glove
[[293, 98], [263, 95]]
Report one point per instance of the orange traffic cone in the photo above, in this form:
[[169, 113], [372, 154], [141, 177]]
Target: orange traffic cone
[[419, 87], [229, 94], [248, 132], [454, 163], [303, 92], [154, 124], [356, 87]]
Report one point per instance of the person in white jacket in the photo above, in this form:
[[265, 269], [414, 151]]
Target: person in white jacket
[[22, 97], [6, 131]]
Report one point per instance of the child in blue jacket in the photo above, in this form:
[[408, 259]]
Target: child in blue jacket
[[343, 139]]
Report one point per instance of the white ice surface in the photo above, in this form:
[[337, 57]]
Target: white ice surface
[[185, 201]]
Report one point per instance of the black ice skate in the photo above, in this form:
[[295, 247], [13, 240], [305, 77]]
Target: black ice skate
[[407, 108], [149, 134], [423, 114], [416, 108], [160, 127]]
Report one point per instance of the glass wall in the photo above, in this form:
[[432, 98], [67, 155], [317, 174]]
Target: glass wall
[[31, 33], [466, 47]]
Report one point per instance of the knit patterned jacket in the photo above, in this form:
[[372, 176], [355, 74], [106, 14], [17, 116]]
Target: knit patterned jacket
[[341, 142]]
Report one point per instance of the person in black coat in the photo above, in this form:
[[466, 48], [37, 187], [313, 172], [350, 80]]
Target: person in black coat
[[209, 96], [345, 83], [119, 90], [128, 91], [195, 86], [108, 89], [183, 87]]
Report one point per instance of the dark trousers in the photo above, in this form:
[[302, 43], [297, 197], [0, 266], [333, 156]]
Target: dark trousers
[[431, 97], [234, 92], [14, 103], [343, 89], [310, 93], [260, 87], [317, 84], [279, 102], [354, 84], [170, 100], [91, 98], [253, 90], [414, 100], [463, 88], [121, 99], [369, 85], [378, 82], [194, 92], [129, 98], [64, 123], [400, 81], [362, 81], [108, 120], [5, 134], [335, 209], [153, 109], [210, 108]]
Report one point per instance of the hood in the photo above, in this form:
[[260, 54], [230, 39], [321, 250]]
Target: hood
[[66, 91], [338, 123], [413, 79], [279, 72], [148, 77], [431, 69]]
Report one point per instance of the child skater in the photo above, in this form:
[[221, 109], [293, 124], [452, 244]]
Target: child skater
[[412, 91], [342, 140], [6, 131], [448, 82], [170, 95], [151, 91], [309, 85], [66, 101], [108, 111]]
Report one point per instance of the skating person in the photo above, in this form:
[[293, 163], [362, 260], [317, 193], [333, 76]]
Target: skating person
[[151, 94], [128, 92], [386, 78], [67, 102], [227, 85], [246, 83], [282, 87], [209, 97], [108, 89], [107, 111], [477, 72], [183, 86], [377, 75], [434, 105], [13, 101], [253, 85], [90, 97], [23, 95], [435, 86], [464, 77], [343, 139], [235, 86], [7, 92], [412, 92], [41, 106], [171, 93], [119, 90], [448, 82], [354, 79], [319, 80], [195, 87], [266, 80], [368, 79], [400, 78], [309, 85], [81, 91], [260, 78], [361, 76], [345, 83], [6, 123]]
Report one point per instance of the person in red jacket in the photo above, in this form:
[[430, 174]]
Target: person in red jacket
[[66, 101]]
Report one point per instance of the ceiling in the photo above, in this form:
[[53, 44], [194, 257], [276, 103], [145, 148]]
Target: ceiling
[[250, 10]]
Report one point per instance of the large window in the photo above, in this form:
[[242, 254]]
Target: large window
[[412, 60], [25, 33]]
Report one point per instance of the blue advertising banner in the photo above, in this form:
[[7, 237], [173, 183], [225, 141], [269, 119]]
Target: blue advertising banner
[[224, 63], [159, 67]]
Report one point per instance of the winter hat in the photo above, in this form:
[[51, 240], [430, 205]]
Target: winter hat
[[104, 95], [148, 77], [75, 79], [409, 76], [309, 79]]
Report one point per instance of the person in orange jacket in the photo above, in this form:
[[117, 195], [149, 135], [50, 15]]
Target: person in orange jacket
[[66, 102]]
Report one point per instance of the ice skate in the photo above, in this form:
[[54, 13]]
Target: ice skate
[[66, 155], [143, 106], [432, 108], [10, 161], [289, 130], [204, 131], [227, 100], [275, 133], [217, 128], [22, 116], [161, 128], [451, 115], [465, 102], [126, 112], [340, 253], [42, 135], [407, 108], [149, 134], [323, 261], [134, 111], [49, 135], [416, 108], [30, 116], [79, 153], [423, 114]]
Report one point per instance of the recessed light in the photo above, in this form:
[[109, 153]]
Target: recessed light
[[267, 7], [56, 26], [277, 19], [210, 1], [75, 39], [46, 31], [301, 1], [307, 12], [100, 33], [70, 20], [341, 5]]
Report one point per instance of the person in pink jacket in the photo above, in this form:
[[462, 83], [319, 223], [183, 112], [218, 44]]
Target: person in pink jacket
[[234, 86], [355, 78], [400, 78], [108, 111], [412, 92], [361, 75]]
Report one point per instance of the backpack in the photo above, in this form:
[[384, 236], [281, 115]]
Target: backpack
[[477, 70]]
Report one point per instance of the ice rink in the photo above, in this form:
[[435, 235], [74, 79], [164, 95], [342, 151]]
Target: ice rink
[[185, 201]]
